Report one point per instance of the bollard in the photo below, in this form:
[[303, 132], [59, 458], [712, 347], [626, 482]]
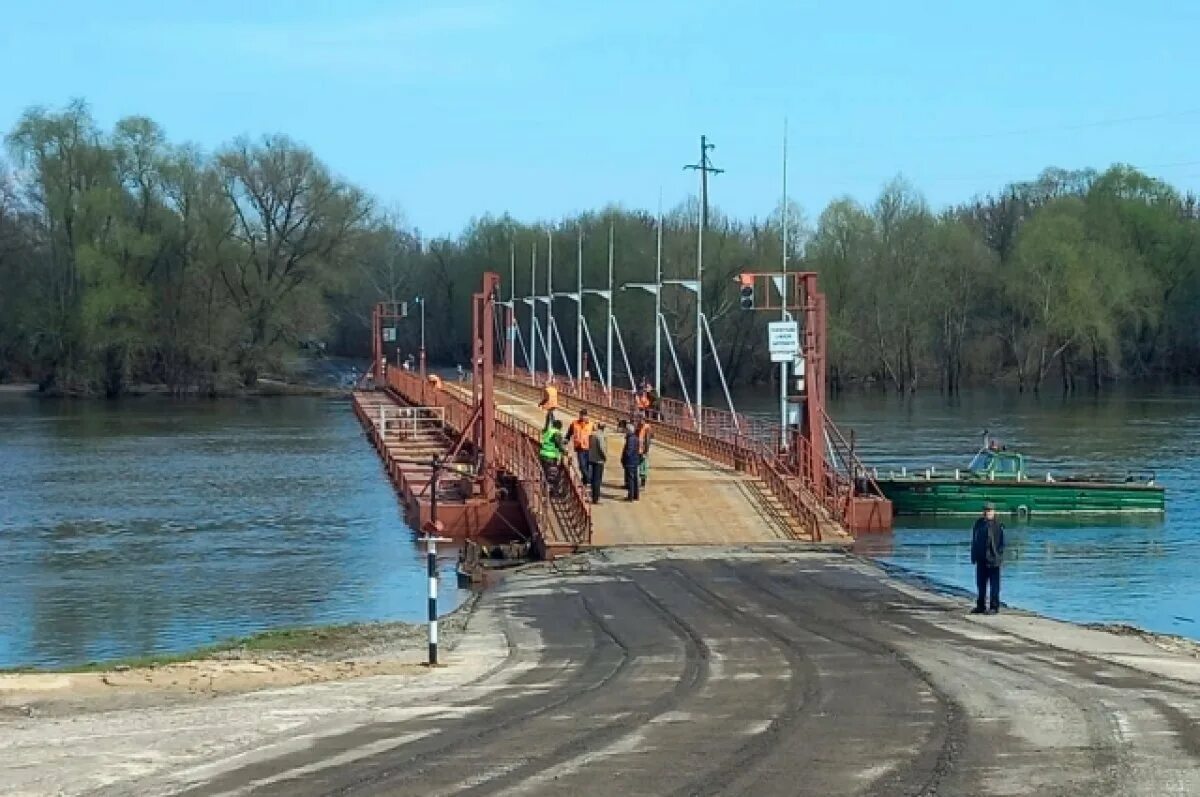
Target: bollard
[[431, 542]]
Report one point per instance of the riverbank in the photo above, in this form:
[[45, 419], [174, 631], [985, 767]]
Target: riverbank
[[708, 671], [266, 388], [272, 659], [292, 656]]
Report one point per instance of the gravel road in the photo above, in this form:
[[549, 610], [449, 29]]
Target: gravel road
[[686, 673]]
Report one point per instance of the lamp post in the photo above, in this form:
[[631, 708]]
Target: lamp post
[[421, 356]]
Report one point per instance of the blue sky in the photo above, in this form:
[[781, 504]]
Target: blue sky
[[450, 110]]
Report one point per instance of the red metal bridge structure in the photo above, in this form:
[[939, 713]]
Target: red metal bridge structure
[[467, 453]]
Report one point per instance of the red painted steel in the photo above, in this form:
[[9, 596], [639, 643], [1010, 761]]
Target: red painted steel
[[482, 337], [383, 311], [505, 448]]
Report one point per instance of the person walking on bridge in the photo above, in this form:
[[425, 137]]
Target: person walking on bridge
[[550, 453], [597, 458], [987, 554], [549, 401], [631, 458], [641, 400], [645, 435], [580, 433]]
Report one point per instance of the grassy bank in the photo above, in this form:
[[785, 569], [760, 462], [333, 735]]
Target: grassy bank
[[323, 642], [319, 641]]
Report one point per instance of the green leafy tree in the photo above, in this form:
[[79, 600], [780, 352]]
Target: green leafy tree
[[293, 225]]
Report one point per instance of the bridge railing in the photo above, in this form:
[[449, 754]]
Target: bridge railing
[[407, 423], [516, 454]]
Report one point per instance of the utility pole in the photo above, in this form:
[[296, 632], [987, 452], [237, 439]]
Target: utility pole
[[705, 168]]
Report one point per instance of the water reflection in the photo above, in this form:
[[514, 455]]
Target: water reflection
[[155, 526]]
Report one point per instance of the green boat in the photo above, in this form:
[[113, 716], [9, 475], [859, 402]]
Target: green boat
[[999, 476]]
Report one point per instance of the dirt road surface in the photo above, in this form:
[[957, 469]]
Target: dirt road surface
[[679, 673]]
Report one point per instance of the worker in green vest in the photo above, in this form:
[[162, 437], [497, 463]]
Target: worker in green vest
[[551, 451]]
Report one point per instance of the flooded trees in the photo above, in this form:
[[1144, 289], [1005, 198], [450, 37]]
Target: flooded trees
[[72, 190], [127, 259], [292, 220]]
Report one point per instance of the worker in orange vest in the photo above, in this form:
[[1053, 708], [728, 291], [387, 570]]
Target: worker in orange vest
[[580, 433], [549, 401]]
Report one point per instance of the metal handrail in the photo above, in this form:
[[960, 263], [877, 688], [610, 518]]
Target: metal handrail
[[517, 454]]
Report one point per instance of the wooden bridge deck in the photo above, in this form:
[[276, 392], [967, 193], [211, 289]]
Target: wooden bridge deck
[[688, 500]]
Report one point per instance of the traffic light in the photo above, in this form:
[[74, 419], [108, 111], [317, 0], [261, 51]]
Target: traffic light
[[747, 283]]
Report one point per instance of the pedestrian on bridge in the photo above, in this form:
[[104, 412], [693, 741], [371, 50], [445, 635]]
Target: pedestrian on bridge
[[597, 458], [631, 458], [550, 453], [549, 401], [987, 554], [645, 435], [580, 433]]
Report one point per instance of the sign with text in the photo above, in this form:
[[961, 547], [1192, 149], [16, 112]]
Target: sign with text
[[389, 334], [783, 338]]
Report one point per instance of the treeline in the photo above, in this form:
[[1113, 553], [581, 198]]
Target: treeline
[[126, 259]]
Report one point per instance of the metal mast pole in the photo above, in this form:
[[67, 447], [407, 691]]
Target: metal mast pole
[[783, 311], [700, 282], [510, 318], [579, 309], [421, 299], [704, 168], [608, 354], [549, 303], [533, 330], [658, 302]]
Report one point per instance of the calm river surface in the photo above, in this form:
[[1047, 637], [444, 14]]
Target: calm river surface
[[149, 526], [1137, 570]]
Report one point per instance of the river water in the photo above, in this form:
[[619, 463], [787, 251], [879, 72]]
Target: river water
[[154, 526], [1137, 570], [151, 526]]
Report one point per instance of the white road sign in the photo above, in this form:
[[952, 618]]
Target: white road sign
[[783, 338]]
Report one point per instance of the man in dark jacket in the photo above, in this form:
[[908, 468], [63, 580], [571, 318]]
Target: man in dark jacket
[[631, 458], [597, 458], [987, 554]]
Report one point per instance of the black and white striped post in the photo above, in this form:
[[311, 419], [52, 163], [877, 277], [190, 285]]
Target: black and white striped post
[[433, 536], [431, 542]]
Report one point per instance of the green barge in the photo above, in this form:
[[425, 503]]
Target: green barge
[[999, 476]]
